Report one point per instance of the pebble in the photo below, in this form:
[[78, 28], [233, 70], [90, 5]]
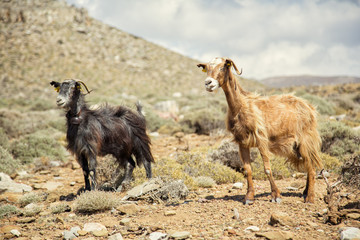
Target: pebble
[[90, 227], [276, 235], [349, 233], [180, 235], [116, 236], [282, 219], [157, 236], [125, 221], [238, 185], [252, 229], [128, 209], [292, 188], [15, 232], [100, 233], [236, 214], [170, 213], [354, 216]]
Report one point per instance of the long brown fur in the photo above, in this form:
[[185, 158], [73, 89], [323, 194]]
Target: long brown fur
[[284, 125]]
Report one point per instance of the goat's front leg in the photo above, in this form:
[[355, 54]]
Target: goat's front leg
[[275, 192], [309, 192], [245, 158], [82, 160]]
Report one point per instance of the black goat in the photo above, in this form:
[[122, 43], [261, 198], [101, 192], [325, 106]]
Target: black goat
[[119, 131]]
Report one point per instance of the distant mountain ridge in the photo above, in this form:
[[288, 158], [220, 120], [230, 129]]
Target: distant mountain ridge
[[307, 80]]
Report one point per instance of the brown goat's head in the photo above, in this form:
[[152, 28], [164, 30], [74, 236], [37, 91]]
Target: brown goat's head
[[67, 90], [218, 71]]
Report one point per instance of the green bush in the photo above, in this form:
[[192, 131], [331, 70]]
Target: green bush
[[8, 164], [323, 106], [4, 140], [38, 144], [7, 210], [338, 139]]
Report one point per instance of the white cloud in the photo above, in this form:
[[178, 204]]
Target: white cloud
[[267, 37]]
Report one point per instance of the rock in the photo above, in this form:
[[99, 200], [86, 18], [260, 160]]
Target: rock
[[282, 219], [157, 236], [349, 233], [298, 175], [142, 189], [116, 236], [100, 233], [26, 220], [68, 235], [90, 227], [170, 213], [128, 209], [276, 235], [169, 106], [236, 214], [292, 188], [238, 185], [15, 232], [298, 184], [252, 229], [125, 221], [50, 186], [8, 185], [10, 197], [312, 224], [8, 228], [324, 174], [354, 216], [180, 235], [82, 232], [75, 230]]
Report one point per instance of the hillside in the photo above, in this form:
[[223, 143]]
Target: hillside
[[307, 80]]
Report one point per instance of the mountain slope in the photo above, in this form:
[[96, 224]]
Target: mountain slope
[[306, 80]]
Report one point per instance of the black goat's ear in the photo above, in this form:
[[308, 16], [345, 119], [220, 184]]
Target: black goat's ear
[[56, 85], [203, 66]]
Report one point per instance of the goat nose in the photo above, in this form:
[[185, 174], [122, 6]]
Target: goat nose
[[207, 81]]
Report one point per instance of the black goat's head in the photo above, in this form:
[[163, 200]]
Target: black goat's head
[[67, 90]]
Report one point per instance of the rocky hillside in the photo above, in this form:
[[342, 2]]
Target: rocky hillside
[[306, 80]]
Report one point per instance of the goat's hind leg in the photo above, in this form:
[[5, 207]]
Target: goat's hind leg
[[309, 192], [129, 168], [85, 167]]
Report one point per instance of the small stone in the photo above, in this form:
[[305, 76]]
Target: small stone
[[236, 214], [312, 224], [68, 235], [238, 185], [276, 235], [72, 183], [128, 209], [15, 232], [100, 233], [8, 228], [116, 236], [349, 233], [75, 230], [252, 229], [125, 221], [157, 236], [298, 175], [292, 188], [82, 232], [354, 216], [170, 213], [180, 235], [90, 227], [282, 219]]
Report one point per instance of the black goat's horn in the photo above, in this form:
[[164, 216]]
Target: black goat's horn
[[79, 81]]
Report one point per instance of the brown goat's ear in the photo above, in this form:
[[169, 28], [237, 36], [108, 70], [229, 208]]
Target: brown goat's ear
[[56, 85], [203, 66]]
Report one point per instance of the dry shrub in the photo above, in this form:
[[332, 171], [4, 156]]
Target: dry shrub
[[204, 182], [60, 208], [330, 163], [338, 139], [351, 170], [228, 154], [8, 164], [95, 201], [8, 210], [31, 197], [31, 210]]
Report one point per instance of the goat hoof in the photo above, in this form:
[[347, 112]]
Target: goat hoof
[[276, 200], [249, 202]]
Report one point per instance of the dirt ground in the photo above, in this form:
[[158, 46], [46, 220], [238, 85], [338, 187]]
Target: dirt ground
[[206, 213]]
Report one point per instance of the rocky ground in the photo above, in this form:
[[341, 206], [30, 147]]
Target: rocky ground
[[207, 213]]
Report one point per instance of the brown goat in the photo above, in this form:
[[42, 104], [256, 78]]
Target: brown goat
[[281, 124]]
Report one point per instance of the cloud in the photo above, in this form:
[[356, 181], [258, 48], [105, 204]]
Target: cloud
[[267, 38]]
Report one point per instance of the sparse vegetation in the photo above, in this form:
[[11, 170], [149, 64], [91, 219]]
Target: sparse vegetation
[[60, 208], [95, 201], [32, 197], [338, 139], [8, 210]]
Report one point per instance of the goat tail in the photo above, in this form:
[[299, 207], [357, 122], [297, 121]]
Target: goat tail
[[309, 148], [143, 151]]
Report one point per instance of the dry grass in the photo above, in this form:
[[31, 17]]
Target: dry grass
[[95, 201]]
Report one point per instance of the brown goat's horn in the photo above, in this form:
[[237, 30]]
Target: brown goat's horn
[[84, 85], [236, 69]]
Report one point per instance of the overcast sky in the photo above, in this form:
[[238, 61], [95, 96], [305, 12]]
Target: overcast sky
[[264, 37]]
